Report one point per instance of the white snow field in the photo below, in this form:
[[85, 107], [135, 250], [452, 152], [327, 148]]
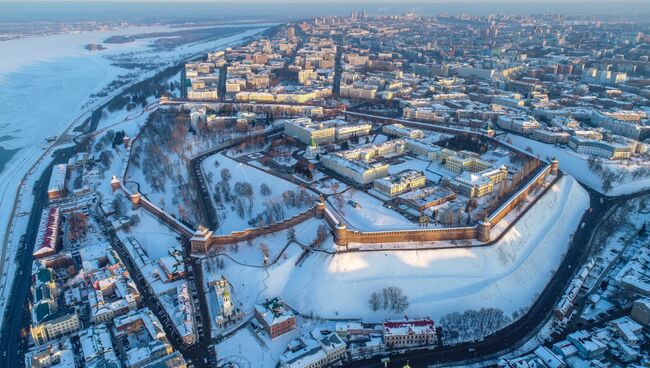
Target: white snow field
[[576, 164], [371, 214], [241, 172], [45, 88], [508, 275]]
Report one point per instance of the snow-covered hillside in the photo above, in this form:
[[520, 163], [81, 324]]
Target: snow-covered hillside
[[508, 275], [577, 165]]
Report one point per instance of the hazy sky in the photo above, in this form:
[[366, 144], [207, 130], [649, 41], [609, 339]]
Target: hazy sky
[[394, 2]]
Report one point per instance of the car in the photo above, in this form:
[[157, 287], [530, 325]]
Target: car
[[354, 204]]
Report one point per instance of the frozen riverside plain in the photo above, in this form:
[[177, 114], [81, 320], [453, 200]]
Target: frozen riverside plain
[[508, 275], [45, 88]]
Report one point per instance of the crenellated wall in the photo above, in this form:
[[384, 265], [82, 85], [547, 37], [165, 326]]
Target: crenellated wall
[[249, 234], [344, 236]]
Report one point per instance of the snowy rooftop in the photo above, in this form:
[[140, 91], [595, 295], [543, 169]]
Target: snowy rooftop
[[273, 311], [48, 231], [404, 327], [57, 180]]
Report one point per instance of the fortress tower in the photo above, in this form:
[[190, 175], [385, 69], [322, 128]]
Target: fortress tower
[[135, 200], [341, 235], [555, 164], [115, 183], [483, 231]]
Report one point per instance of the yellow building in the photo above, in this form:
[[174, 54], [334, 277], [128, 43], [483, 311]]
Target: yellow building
[[465, 161], [473, 185], [401, 182]]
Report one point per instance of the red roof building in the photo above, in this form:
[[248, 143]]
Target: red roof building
[[405, 333], [47, 239]]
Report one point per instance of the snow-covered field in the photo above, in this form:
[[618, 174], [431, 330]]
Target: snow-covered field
[[241, 172], [245, 350], [371, 214], [576, 164], [508, 275]]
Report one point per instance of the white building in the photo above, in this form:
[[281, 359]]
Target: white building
[[314, 351], [518, 123], [400, 131], [401, 182]]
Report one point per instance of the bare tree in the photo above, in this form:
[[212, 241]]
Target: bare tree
[[265, 190], [321, 235], [375, 301]]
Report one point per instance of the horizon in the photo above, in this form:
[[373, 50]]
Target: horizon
[[171, 11]]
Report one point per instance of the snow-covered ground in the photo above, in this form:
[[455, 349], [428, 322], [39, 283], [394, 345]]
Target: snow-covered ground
[[508, 275], [241, 172], [246, 350], [576, 165], [156, 239], [45, 87], [371, 214]]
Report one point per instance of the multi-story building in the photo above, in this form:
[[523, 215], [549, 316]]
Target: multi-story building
[[401, 182], [113, 293], [58, 353], [435, 113], [423, 148], [400, 131], [57, 188], [49, 322], [314, 351], [97, 347], [629, 124], [346, 131], [518, 123], [358, 92], [472, 185], [551, 136], [409, 333], [304, 130], [424, 198], [47, 238], [588, 346], [459, 162], [147, 341], [609, 150], [360, 164], [358, 171], [203, 94], [641, 311], [275, 317]]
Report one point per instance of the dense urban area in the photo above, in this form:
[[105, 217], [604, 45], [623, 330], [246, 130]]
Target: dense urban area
[[359, 191]]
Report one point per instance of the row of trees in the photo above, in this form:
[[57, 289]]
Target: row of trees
[[472, 325]]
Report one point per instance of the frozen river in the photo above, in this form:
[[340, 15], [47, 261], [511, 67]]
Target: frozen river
[[45, 83]]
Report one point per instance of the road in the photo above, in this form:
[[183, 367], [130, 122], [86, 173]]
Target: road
[[15, 316], [516, 333], [526, 327], [491, 346], [199, 182]]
